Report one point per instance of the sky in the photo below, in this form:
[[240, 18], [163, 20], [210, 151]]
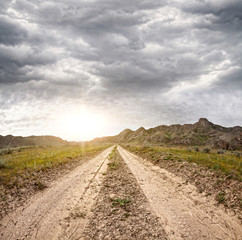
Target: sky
[[80, 69]]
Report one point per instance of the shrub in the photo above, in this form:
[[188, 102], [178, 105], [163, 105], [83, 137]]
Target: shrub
[[220, 152], [237, 154], [2, 164], [6, 151], [196, 149], [39, 185], [206, 150]]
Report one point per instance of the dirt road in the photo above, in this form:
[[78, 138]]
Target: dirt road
[[138, 201], [183, 212], [58, 212]]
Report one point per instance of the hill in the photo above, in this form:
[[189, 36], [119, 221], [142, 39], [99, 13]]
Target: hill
[[10, 141], [201, 133]]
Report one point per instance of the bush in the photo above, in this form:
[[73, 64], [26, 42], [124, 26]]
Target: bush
[[196, 149], [220, 152], [237, 154], [2, 164], [6, 151], [206, 150]]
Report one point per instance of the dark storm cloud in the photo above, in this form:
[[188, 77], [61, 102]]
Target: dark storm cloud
[[231, 80], [10, 32], [223, 16], [225, 9], [97, 23], [169, 56], [19, 63]]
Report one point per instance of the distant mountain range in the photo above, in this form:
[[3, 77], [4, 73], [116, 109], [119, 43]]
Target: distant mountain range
[[10, 141], [201, 133]]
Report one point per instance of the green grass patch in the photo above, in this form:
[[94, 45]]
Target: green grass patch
[[122, 202], [113, 165], [34, 159], [228, 163], [113, 154], [221, 197]]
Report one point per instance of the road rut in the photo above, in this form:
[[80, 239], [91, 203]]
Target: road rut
[[183, 212], [61, 211]]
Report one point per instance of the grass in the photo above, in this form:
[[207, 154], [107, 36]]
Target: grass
[[5, 151], [228, 163], [113, 154], [3, 164], [221, 197], [34, 159], [122, 202], [113, 165], [40, 186]]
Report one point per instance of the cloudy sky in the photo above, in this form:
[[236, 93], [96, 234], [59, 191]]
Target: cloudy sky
[[98, 66]]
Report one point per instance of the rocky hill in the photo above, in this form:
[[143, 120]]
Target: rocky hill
[[10, 141], [201, 133]]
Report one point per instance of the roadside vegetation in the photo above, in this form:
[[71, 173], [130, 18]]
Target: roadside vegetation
[[215, 172], [21, 160], [26, 170], [228, 163]]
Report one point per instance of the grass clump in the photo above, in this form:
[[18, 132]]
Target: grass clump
[[122, 202], [113, 165], [221, 197], [40, 186]]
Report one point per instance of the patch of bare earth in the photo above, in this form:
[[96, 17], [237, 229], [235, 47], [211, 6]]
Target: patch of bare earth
[[122, 210], [15, 193], [224, 189]]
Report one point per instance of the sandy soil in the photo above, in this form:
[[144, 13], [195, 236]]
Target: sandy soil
[[61, 211], [122, 210], [183, 212]]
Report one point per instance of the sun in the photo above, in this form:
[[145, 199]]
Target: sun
[[82, 125]]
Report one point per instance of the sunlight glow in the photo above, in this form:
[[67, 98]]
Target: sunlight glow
[[83, 125]]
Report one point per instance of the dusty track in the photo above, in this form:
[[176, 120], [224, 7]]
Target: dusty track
[[65, 209], [131, 220], [61, 211], [183, 212]]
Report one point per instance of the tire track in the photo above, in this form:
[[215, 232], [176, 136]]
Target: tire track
[[122, 211], [48, 214], [183, 212]]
